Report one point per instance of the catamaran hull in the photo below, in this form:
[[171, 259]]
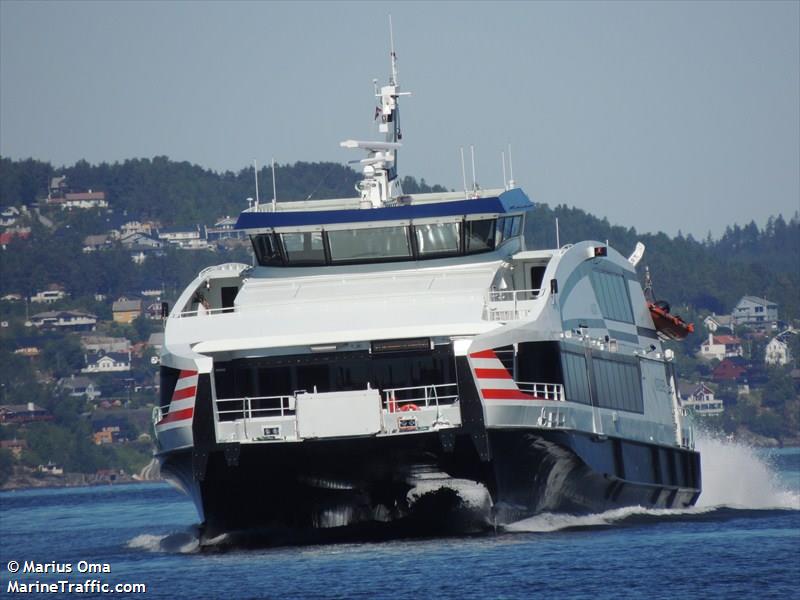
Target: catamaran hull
[[423, 484]]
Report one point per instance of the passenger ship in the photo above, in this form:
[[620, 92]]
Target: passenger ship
[[404, 363]]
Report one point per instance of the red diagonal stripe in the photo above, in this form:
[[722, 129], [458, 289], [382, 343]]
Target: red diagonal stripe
[[178, 415], [483, 354], [184, 393], [185, 374], [492, 374], [505, 395]]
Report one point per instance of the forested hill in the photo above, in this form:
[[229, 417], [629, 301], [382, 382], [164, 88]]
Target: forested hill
[[179, 193], [707, 275]]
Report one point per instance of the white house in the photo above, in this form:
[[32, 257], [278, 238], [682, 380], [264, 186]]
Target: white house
[[102, 343], [64, 319], [752, 310], [8, 215], [113, 362], [699, 398], [713, 322], [80, 387], [777, 350], [721, 347], [48, 296], [88, 199]]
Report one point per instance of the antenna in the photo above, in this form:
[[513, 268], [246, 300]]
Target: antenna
[[511, 168], [503, 158], [474, 182], [463, 172], [274, 189], [393, 81], [558, 240], [255, 174]]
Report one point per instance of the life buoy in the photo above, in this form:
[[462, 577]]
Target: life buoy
[[409, 407]]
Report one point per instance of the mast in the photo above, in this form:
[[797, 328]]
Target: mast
[[380, 185]]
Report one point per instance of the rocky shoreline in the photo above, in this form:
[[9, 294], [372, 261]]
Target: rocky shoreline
[[23, 478]]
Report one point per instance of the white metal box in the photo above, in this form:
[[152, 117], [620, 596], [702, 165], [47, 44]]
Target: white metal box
[[338, 414]]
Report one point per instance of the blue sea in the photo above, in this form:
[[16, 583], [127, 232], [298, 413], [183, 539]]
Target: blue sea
[[741, 541]]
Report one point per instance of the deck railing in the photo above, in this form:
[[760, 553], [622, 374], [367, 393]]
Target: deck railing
[[544, 391], [231, 409], [421, 396], [509, 305]]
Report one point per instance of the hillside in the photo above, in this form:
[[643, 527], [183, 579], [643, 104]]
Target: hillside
[[44, 247]]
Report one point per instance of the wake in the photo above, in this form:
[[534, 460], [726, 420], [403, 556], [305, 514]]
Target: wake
[[737, 480]]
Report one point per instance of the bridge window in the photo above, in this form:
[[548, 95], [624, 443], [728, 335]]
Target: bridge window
[[438, 238], [479, 235], [361, 245], [304, 248]]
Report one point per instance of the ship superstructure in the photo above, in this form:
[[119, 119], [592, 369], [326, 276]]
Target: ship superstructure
[[403, 362]]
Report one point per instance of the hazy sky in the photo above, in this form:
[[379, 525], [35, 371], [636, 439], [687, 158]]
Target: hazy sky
[[661, 116]]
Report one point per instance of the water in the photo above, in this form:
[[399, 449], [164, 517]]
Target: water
[[742, 540]]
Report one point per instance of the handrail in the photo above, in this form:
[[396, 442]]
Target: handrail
[[513, 295], [285, 407], [545, 391], [396, 398], [506, 305]]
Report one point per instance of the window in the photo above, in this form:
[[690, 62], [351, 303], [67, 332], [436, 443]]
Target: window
[[576, 379], [438, 238], [369, 244], [619, 385], [611, 291], [266, 248], [479, 235], [304, 248]]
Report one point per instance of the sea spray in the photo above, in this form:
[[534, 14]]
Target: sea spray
[[736, 475]]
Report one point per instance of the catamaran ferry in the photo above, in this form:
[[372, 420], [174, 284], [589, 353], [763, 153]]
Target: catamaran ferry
[[405, 363]]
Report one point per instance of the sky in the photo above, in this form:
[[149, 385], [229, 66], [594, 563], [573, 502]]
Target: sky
[[676, 116]]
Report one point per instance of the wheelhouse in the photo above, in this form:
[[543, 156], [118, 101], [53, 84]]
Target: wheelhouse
[[412, 232]]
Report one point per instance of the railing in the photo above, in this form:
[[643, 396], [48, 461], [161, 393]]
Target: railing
[[507, 305], [256, 407], [543, 391], [421, 396]]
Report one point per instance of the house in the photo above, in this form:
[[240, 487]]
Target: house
[[186, 238], [721, 347], [64, 319], [108, 434], [125, 310], [713, 322], [154, 311], [92, 243], [28, 351], [88, 199], [50, 468], [752, 310], [12, 298], [57, 189], [102, 343], [729, 370], [777, 350], [112, 362], [49, 296], [8, 215], [23, 413], [699, 398], [80, 387], [223, 229], [136, 227], [14, 446]]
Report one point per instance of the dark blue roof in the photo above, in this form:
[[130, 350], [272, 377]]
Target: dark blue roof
[[510, 201]]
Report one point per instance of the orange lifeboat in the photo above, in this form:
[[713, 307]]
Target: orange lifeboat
[[668, 326]]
